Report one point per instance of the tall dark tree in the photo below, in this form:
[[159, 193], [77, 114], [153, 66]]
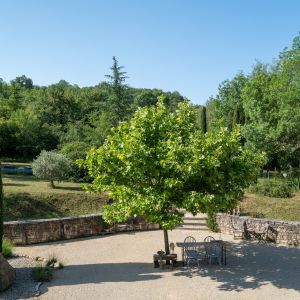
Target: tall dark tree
[[203, 120], [118, 100]]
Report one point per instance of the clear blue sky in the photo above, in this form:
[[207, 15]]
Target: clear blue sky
[[188, 46]]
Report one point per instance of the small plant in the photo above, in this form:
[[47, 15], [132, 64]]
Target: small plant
[[46, 272], [43, 273], [7, 248], [212, 221], [51, 262]]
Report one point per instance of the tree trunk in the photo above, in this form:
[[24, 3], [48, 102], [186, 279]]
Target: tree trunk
[[1, 210], [167, 246], [166, 238], [52, 184]]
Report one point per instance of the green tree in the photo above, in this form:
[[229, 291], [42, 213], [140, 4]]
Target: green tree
[[118, 101], [159, 162], [23, 81], [51, 166], [203, 120]]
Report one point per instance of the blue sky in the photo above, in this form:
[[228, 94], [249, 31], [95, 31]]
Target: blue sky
[[188, 46]]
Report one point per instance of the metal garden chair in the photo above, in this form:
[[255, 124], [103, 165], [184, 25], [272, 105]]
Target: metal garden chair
[[209, 239], [190, 252]]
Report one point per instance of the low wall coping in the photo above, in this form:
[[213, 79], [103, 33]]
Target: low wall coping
[[35, 221], [285, 222]]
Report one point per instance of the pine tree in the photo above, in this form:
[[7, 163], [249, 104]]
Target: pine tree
[[118, 100]]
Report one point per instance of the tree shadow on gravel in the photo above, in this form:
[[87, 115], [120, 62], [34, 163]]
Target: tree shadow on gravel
[[105, 272], [251, 266]]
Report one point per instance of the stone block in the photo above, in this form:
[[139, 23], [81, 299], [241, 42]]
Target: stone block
[[7, 274]]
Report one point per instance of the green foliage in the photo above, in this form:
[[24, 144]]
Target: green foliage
[[212, 221], [7, 248], [51, 261], [272, 188], [51, 166], [75, 151], [159, 162], [43, 273], [266, 104], [34, 118]]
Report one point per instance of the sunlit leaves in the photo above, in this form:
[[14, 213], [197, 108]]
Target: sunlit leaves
[[158, 162]]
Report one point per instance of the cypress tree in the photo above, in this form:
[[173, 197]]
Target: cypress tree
[[203, 120]]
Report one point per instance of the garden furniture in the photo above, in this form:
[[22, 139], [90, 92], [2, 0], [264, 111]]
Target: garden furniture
[[258, 234], [213, 252], [238, 230], [209, 239]]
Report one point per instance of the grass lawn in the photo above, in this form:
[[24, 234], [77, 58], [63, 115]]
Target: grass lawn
[[26, 197], [274, 208]]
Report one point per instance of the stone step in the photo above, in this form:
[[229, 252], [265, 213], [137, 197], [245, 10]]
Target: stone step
[[193, 219], [194, 223]]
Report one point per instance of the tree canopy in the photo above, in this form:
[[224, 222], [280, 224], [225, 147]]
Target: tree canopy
[[35, 118], [266, 103], [159, 162], [51, 166]]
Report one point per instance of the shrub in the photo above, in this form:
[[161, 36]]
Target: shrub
[[272, 188], [7, 248], [76, 151], [212, 221], [43, 273], [51, 166]]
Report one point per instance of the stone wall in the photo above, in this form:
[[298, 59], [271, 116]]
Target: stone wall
[[281, 232], [47, 230]]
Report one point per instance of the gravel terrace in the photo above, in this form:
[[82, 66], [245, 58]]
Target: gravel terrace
[[24, 286], [120, 267]]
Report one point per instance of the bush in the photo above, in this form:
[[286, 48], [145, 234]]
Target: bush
[[272, 188], [7, 248], [52, 166], [212, 221], [45, 273], [41, 273]]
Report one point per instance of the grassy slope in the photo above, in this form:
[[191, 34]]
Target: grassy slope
[[29, 198], [275, 208], [25, 197]]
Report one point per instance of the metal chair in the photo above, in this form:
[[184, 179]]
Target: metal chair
[[213, 252], [190, 251], [209, 239], [238, 230]]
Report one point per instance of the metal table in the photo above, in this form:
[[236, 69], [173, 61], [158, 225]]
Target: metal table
[[223, 245]]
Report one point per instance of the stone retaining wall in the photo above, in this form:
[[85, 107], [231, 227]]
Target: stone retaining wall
[[281, 232], [47, 230]]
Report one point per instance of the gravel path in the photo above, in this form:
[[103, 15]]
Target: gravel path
[[24, 285], [116, 267]]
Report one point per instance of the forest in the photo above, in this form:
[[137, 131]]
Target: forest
[[70, 119]]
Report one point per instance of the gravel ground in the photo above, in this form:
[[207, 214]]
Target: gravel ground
[[24, 286], [120, 267]]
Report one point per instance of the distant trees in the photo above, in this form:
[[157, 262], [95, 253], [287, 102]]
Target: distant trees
[[51, 166], [266, 103], [34, 118]]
